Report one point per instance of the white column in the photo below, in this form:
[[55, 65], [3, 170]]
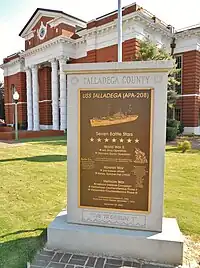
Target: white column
[[29, 99], [63, 95], [54, 94], [36, 118]]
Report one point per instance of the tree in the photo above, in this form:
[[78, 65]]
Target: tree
[[2, 112], [150, 51]]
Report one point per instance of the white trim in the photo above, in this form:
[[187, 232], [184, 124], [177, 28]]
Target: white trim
[[188, 32], [134, 16], [138, 66], [46, 127], [186, 48], [35, 98], [68, 21], [44, 101], [189, 95], [12, 62], [42, 26], [192, 130], [13, 67], [12, 103], [42, 47], [24, 102], [29, 35]]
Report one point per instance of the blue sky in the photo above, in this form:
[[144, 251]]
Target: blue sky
[[15, 13]]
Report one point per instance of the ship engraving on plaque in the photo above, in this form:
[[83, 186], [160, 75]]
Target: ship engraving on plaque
[[115, 128], [114, 119], [114, 219]]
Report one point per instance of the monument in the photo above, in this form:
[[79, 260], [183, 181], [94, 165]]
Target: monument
[[116, 147]]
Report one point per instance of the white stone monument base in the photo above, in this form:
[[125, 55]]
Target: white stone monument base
[[165, 247]]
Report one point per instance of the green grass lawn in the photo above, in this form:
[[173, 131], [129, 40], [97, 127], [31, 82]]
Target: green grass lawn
[[33, 191]]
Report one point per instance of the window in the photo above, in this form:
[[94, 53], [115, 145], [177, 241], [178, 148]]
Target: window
[[178, 75], [174, 113], [169, 113], [178, 114]]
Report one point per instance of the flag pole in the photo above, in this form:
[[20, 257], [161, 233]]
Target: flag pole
[[119, 31]]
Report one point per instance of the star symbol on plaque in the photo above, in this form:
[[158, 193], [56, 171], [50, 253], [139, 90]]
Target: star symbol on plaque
[[137, 141], [106, 140], [114, 140], [121, 140], [99, 140], [91, 139], [129, 140]]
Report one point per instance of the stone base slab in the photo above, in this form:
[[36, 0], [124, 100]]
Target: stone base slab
[[165, 247]]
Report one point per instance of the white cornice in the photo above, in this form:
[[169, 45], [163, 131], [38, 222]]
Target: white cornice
[[66, 20], [188, 33], [12, 62], [56, 40], [155, 26], [29, 35], [137, 66], [137, 16], [13, 67]]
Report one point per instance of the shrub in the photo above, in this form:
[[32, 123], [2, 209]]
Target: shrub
[[172, 123], [171, 133], [174, 128], [184, 146], [180, 128]]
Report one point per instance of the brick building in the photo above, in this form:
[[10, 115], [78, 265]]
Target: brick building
[[53, 38]]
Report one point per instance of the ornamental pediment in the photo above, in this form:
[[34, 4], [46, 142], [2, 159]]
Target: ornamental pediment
[[46, 24]]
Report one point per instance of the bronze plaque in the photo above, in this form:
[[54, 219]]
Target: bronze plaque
[[115, 149]]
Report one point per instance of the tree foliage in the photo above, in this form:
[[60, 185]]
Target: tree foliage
[[1, 88], [150, 51]]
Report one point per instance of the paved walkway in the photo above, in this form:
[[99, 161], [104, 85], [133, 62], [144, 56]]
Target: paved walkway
[[53, 259], [5, 144], [195, 141]]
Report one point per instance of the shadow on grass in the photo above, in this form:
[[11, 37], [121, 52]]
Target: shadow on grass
[[172, 149], [22, 232], [39, 158], [54, 140], [175, 150], [56, 143], [17, 252]]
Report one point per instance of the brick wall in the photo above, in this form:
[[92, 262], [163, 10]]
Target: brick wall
[[191, 72], [19, 80], [45, 107], [190, 85], [130, 48], [106, 54], [109, 18]]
